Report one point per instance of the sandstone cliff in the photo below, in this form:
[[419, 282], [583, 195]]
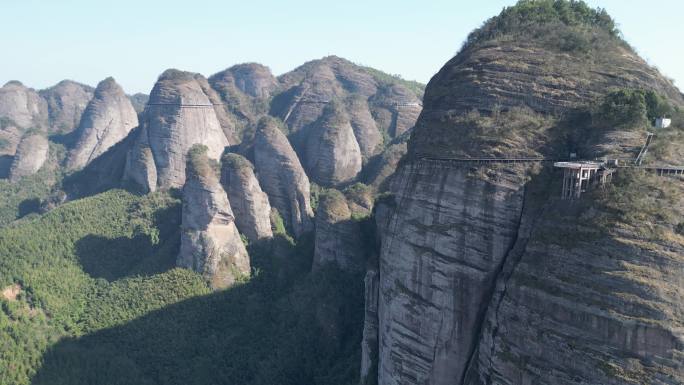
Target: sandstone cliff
[[470, 290], [23, 106], [179, 115], [66, 102], [308, 89], [210, 242], [32, 152], [249, 203], [282, 177], [333, 156], [338, 234], [109, 118]]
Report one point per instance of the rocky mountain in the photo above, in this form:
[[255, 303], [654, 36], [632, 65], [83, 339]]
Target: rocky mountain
[[22, 107], [282, 177], [248, 201], [210, 242], [333, 156], [245, 90], [376, 106], [484, 275], [186, 109], [180, 114], [108, 119], [66, 102], [31, 155]]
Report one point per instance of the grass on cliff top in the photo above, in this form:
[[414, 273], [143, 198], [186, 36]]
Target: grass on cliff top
[[566, 25], [100, 302], [388, 79]]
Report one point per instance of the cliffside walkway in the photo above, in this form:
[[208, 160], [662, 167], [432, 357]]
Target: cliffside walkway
[[660, 170]]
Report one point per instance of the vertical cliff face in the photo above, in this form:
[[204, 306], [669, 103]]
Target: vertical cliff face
[[470, 289], [593, 295], [31, 155], [109, 118], [333, 155], [441, 250], [179, 115], [66, 102], [282, 177], [210, 242], [248, 201]]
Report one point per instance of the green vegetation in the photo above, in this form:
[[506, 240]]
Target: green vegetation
[[569, 25], [633, 107], [199, 164], [91, 296], [387, 79]]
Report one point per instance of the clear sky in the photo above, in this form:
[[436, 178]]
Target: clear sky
[[45, 41]]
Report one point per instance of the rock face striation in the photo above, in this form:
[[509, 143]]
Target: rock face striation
[[66, 102], [479, 281], [31, 155], [210, 241], [109, 118], [282, 177], [180, 114], [249, 203], [338, 235], [333, 156]]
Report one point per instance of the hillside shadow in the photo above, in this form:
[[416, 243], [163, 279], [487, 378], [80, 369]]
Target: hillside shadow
[[115, 258], [28, 206], [284, 326], [141, 254], [5, 165]]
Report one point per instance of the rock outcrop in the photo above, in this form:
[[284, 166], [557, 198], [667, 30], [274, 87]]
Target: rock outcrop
[[179, 115], [31, 155], [282, 177], [310, 88], [109, 118], [245, 90], [66, 102], [338, 235], [396, 109], [470, 290], [252, 79], [365, 128], [210, 241], [22, 106], [248, 201], [333, 156]]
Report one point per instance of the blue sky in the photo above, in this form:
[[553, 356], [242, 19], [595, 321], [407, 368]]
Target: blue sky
[[134, 41]]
